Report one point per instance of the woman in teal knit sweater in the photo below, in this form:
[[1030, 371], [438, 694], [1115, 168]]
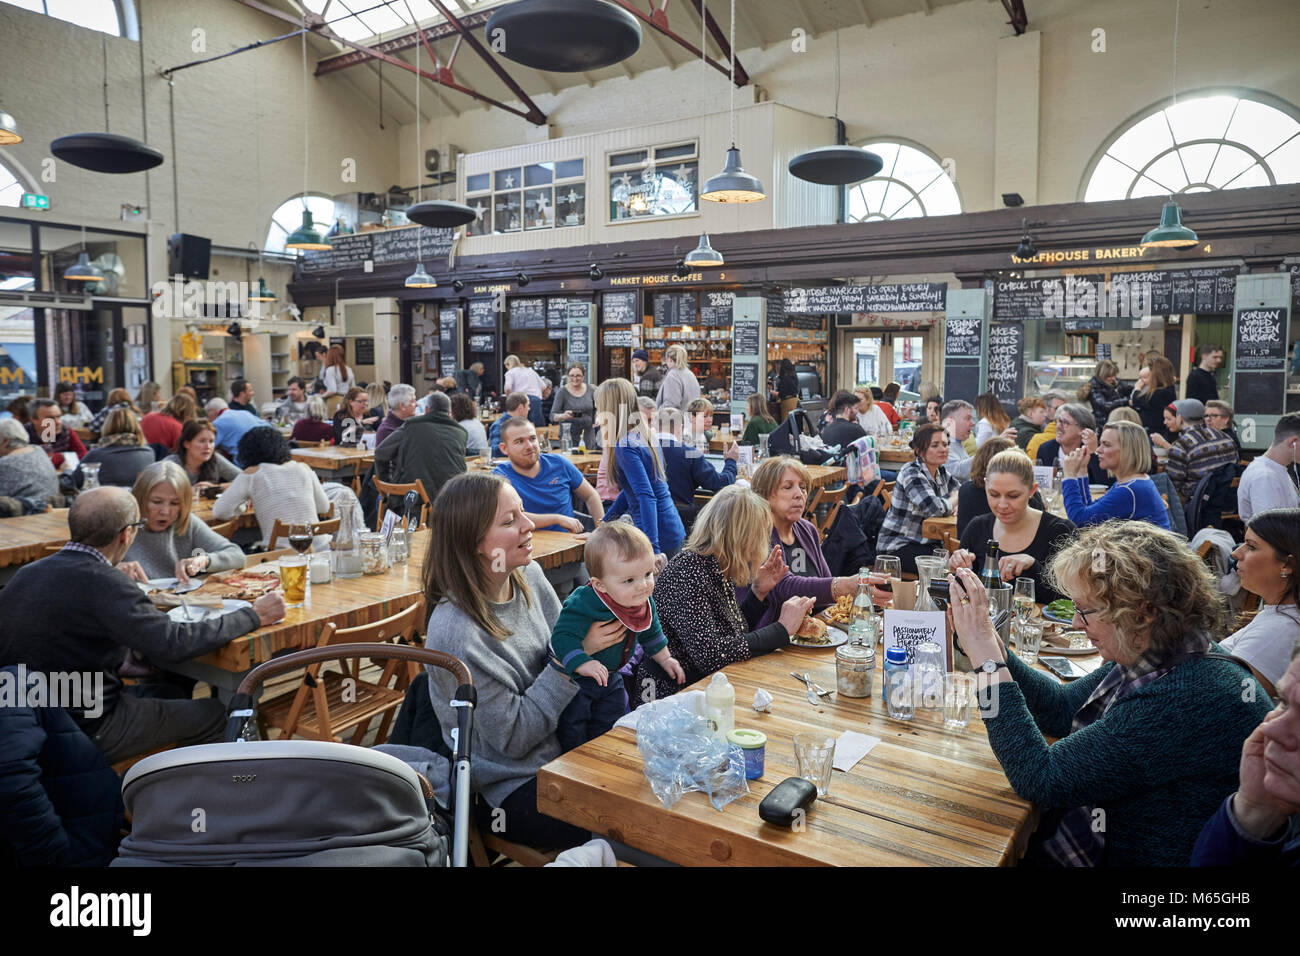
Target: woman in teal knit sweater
[[1149, 742]]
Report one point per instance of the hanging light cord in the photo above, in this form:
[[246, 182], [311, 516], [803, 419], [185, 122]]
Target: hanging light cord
[[104, 39], [1177, 10], [304, 112], [731, 86], [257, 145], [836, 8], [419, 146]]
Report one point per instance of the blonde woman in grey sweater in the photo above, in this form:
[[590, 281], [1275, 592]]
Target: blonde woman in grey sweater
[[173, 542]]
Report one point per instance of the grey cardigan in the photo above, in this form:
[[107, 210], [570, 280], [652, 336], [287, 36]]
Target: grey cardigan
[[226, 471], [678, 389], [158, 551], [584, 413], [520, 696]]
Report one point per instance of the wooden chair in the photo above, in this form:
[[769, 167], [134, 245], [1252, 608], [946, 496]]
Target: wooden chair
[[1232, 515], [323, 443], [484, 847], [318, 710], [387, 488], [263, 556], [832, 499], [281, 528], [226, 529], [885, 492]]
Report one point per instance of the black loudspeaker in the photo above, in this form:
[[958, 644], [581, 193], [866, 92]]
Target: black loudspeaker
[[188, 256]]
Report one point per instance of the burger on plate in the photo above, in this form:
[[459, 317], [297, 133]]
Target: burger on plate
[[812, 630]]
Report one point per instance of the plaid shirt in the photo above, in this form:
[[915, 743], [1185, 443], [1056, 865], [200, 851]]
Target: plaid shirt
[[916, 497], [1076, 841], [86, 549], [1198, 451]]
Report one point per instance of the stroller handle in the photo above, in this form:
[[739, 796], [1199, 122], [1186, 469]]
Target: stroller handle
[[254, 678]]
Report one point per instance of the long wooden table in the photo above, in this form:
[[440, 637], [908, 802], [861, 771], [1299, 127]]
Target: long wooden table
[[333, 463], [923, 796], [24, 538]]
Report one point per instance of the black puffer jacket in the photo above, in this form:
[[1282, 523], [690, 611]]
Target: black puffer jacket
[[60, 801], [1104, 398]]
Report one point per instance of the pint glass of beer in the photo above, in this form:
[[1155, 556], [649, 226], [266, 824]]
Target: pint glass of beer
[[293, 578]]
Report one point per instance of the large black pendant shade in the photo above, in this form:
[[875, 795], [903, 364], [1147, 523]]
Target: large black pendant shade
[[440, 214], [835, 165], [106, 152], [564, 36]]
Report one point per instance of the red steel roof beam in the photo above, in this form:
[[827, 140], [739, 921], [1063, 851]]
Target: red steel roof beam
[[534, 114], [659, 20]]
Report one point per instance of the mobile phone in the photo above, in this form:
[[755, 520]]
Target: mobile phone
[[1062, 667], [939, 591]]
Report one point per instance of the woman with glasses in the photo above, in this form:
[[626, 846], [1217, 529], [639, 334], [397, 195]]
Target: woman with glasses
[[1268, 565], [924, 489], [1073, 424], [575, 404], [1147, 744], [1125, 452]]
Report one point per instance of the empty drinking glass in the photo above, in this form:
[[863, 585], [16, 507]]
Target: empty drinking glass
[[1023, 599], [90, 476], [1029, 640], [958, 694], [929, 666], [814, 752]]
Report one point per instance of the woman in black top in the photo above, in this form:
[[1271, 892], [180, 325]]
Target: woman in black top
[[1027, 537], [1155, 390], [972, 501]]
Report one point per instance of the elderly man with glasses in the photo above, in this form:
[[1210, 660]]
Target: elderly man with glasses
[[73, 614]]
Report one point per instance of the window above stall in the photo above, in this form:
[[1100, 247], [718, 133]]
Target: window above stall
[[549, 195], [654, 182]]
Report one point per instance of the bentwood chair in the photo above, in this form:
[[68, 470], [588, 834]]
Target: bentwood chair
[[325, 706], [832, 499], [387, 488], [280, 530]]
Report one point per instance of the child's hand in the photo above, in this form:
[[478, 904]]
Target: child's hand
[[674, 669], [596, 671]]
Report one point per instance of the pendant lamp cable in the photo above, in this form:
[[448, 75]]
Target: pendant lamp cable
[[1178, 4], [144, 121], [304, 112], [419, 144], [104, 40], [731, 86], [836, 8], [257, 145]]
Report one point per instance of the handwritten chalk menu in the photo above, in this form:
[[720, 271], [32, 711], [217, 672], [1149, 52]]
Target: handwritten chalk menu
[[776, 314], [745, 338], [482, 315], [558, 335], [1212, 289], [1007, 361], [715, 309], [364, 350], [1083, 325], [907, 297], [557, 312], [409, 244], [580, 344], [617, 338], [621, 308], [1260, 361], [347, 255], [744, 379], [579, 309], [527, 313], [961, 337], [1018, 299], [824, 300], [482, 343], [748, 350], [675, 308], [449, 340]]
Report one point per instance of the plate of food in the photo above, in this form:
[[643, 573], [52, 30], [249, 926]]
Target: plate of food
[[1066, 644], [1060, 610], [244, 585], [171, 585], [192, 614], [813, 632], [840, 612]]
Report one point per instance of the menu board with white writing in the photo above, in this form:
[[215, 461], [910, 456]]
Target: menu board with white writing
[[961, 337], [745, 338], [1260, 361], [482, 343], [617, 338], [621, 308], [528, 313], [1007, 362], [715, 309], [557, 312], [482, 314], [449, 340], [744, 379], [675, 308]]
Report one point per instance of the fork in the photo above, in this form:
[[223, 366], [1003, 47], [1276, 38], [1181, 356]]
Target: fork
[[812, 687]]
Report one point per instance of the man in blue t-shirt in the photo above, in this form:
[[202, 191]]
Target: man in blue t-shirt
[[230, 425], [546, 483]]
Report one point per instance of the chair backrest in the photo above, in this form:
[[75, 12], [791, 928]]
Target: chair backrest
[[386, 488], [885, 492], [833, 499], [264, 556], [281, 528], [226, 529], [404, 625]]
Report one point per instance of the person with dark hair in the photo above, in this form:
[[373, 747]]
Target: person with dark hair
[[75, 413], [350, 420], [196, 452], [843, 428], [45, 428], [575, 405], [429, 447], [1268, 481], [887, 399], [1201, 384], [649, 376], [1033, 412], [787, 387], [1075, 429], [241, 396], [164, 427], [924, 489], [88, 611], [1268, 563], [516, 405], [1197, 448], [277, 486], [293, 407], [1103, 392], [17, 409], [1156, 387], [465, 411]]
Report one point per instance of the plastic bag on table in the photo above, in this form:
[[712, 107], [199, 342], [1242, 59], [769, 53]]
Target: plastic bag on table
[[681, 755]]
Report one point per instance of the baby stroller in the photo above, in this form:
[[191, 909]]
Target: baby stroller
[[297, 802], [784, 440]]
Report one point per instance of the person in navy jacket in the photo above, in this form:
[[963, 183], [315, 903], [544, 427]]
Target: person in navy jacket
[[686, 469]]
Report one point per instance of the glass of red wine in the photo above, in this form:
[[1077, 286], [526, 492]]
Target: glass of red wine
[[300, 537]]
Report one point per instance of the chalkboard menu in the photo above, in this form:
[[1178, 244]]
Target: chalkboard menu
[[1019, 299], [745, 338], [482, 315], [776, 314], [961, 337], [621, 308], [1261, 340], [907, 297], [1205, 290], [579, 344], [557, 312], [528, 313], [347, 255], [675, 308], [364, 351], [579, 309], [401, 245], [715, 309], [1084, 325], [744, 379], [824, 299], [482, 343], [619, 338], [1007, 362], [558, 334], [449, 340]]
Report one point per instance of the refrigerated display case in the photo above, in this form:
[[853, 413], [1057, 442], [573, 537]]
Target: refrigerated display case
[[1062, 374]]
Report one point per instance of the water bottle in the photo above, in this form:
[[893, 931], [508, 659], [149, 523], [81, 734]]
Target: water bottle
[[720, 705], [862, 620], [898, 688]]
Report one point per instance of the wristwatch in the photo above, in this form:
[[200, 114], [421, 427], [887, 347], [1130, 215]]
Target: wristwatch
[[991, 666]]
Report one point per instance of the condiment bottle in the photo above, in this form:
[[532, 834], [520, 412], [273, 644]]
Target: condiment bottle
[[720, 705]]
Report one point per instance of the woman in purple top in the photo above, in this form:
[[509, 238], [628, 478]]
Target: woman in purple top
[[783, 482]]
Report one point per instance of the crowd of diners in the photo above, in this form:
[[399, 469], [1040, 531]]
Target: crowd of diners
[[1185, 766]]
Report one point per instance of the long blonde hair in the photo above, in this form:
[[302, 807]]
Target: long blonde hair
[[617, 416], [756, 405], [166, 473], [735, 527], [990, 409]]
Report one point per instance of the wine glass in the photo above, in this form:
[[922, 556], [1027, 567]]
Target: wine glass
[[300, 537], [891, 567], [1023, 598]]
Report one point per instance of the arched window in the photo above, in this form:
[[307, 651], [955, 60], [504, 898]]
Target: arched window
[[11, 189], [1205, 142], [910, 183], [113, 17], [289, 217]]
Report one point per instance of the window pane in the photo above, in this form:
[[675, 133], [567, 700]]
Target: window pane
[[866, 360], [568, 168], [1145, 187], [873, 192], [538, 175], [673, 152], [383, 19], [1145, 139], [1229, 163], [910, 183], [1205, 117], [98, 15], [504, 179], [1285, 161], [1110, 180], [571, 205], [479, 182], [1255, 176], [539, 208], [896, 196], [483, 224], [940, 198], [628, 159], [351, 29], [505, 212], [1197, 159], [1260, 127], [907, 361], [1168, 172]]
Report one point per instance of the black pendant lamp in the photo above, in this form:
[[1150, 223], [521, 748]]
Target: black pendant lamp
[[106, 152], [1026, 249], [434, 213], [565, 36], [839, 165], [733, 184]]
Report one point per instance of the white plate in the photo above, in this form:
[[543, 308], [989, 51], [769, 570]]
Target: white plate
[[837, 637], [196, 614], [171, 584]]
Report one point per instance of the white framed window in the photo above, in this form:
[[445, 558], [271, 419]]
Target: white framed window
[[1205, 142], [106, 16], [288, 217], [548, 195], [654, 182], [11, 189], [911, 183]]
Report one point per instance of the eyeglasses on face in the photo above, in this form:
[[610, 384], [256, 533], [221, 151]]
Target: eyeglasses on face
[[135, 525], [1083, 613]]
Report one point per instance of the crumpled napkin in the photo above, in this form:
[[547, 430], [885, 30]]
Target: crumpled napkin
[[762, 701]]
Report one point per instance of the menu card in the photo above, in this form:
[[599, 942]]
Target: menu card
[[907, 629]]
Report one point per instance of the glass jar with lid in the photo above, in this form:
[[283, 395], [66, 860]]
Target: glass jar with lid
[[855, 664], [374, 553]]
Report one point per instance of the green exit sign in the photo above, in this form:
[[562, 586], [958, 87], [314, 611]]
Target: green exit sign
[[35, 201]]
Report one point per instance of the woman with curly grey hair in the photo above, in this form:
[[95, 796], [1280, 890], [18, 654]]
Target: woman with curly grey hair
[[1148, 742]]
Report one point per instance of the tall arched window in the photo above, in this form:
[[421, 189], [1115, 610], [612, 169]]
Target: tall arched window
[[1205, 142], [289, 217], [11, 190], [107, 16], [910, 183]]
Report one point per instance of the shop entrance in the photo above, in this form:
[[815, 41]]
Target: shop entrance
[[878, 358]]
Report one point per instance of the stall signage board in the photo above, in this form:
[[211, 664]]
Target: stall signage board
[[449, 340], [581, 328], [899, 297], [409, 244], [528, 313], [557, 313], [482, 315], [617, 338], [620, 308], [1007, 362], [748, 350], [824, 300], [715, 309], [675, 308], [363, 350], [961, 337], [1260, 361], [348, 254], [482, 343], [1086, 298]]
